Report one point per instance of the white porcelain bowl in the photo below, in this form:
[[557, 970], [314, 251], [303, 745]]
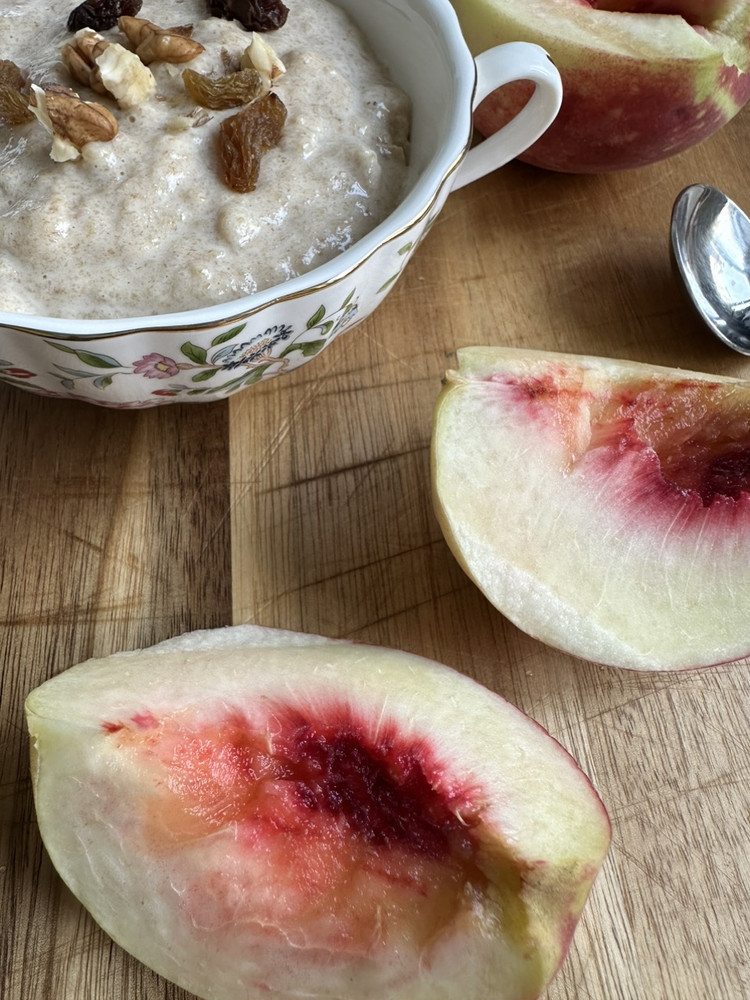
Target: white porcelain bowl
[[205, 354]]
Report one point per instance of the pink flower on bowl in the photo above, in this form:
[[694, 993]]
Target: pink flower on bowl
[[156, 366]]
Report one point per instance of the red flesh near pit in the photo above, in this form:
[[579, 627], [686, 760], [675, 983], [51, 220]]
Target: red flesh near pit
[[664, 448], [700, 12], [334, 815]]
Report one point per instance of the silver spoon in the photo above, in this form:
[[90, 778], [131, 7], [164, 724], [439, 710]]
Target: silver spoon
[[711, 246]]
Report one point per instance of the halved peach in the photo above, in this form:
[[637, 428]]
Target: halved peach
[[603, 506], [260, 814]]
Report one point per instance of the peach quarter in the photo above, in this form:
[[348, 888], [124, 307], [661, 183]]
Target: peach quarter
[[255, 813], [643, 80], [603, 506]]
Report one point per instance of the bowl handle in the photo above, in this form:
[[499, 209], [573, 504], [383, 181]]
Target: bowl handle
[[495, 67]]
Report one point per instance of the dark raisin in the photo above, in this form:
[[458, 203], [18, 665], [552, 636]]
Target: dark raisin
[[246, 136], [253, 15], [101, 14]]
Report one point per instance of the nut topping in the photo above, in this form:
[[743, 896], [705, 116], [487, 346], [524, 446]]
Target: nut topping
[[14, 102], [196, 119], [11, 75], [155, 44], [108, 68], [261, 56], [112, 70], [80, 59], [71, 121]]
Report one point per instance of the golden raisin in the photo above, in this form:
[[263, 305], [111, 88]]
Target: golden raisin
[[227, 92], [246, 136]]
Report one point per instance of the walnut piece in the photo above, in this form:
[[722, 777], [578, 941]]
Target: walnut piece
[[14, 101], [155, 44], [259, 55], [108, 68], [71, 121], [11, 75], [196, 119], [80, 59]]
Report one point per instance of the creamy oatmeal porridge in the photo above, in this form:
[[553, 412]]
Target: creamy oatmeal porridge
[[145, 223]]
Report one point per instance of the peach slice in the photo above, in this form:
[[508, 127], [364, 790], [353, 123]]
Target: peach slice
[[259, 814], [643, 80], [603, 506]]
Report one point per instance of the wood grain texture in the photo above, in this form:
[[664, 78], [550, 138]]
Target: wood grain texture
[[114, 533], [333, 532]]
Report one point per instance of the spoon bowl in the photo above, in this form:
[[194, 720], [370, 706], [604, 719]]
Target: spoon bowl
[[711, 246]]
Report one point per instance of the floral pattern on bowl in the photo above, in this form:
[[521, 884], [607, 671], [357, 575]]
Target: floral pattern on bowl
[[154, 367], [247, 361]]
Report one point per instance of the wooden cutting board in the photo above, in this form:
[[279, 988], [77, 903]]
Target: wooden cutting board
[[333, 532], [304, 503]]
